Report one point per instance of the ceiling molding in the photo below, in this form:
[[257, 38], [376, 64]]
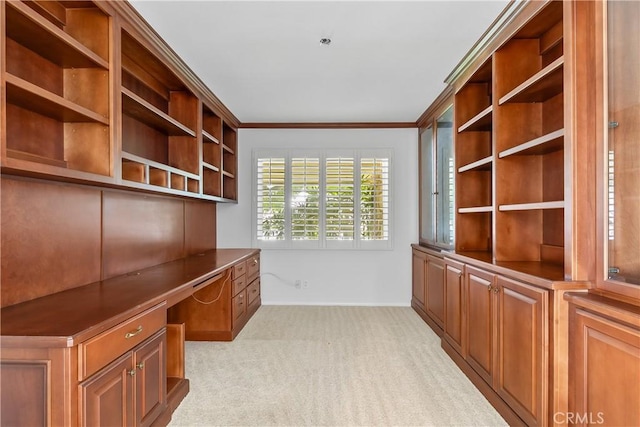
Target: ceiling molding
[[335, 125]]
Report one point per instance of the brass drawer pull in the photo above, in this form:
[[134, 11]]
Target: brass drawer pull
[[255, 261], [140, 365], [133, 333], [131, 372]]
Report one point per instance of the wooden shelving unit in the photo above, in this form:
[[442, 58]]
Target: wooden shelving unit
[[474, 161], [62, 100], [529, 141], [211, 153], [229, 162], [510, 147], [57, 91], [160, 117]]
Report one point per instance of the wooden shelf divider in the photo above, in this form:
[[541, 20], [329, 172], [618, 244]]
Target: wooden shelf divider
[[482, 164], [207, 136], [553, 141], [480, 122], [532, 206], [476, 209], [29, 96], [136, 107], [543, 85], [156, 165]]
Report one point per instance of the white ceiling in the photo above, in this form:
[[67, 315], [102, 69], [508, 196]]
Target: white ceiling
[[386, 63]]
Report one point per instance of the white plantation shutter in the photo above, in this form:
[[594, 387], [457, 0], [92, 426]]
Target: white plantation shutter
[[305, 198], [374, 199], [270, 198], [339, 199], [331, 199]]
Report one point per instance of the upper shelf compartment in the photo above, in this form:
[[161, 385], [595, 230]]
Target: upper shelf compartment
[[67, 45], [57, 81], [159, 121]]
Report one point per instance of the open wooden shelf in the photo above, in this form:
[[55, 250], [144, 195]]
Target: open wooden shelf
[[227, 149], [145, 171], [553, 141], [480, 122], [136, 107], [228, 174], [31, 30], [209, 138], [480, 165], [210, 167], [543, 85], [31, 97], [475, 209], [21, 155], [532, 206]]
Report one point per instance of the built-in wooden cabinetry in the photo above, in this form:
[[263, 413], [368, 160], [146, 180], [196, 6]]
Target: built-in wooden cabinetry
[[112, 153], [94, 96], [220, 308], [103, 353], [428, 286], [436, 186], [540, 288], [605, 323]]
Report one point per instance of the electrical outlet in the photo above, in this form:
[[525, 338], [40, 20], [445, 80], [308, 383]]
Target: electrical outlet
[[305, 284], [297, 283]]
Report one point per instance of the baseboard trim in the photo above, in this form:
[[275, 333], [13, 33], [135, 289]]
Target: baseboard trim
[[337, 304]]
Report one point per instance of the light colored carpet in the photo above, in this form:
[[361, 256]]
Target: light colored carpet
[[330, 366]]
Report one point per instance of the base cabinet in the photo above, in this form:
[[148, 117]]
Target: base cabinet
[[220, 307], [130, 391], [481, 323], [454, 313], [521, 377], [428, 286], [604, 362]]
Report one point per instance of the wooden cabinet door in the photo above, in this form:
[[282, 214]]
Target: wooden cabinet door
[[454, 305], [521, 377], [419, 262], [150, 378], [435, 289], [106, 399], [605, 370], [481, 334]]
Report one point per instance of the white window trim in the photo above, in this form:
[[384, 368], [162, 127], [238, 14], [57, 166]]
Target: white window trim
[[357, 243]]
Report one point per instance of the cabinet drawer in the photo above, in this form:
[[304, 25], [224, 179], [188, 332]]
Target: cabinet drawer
[[253, 291], [239, 305], [238, 270], [253, 267], [100, 350], [239, 284]]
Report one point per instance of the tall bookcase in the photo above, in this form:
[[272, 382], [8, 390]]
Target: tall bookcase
[[510, 151]]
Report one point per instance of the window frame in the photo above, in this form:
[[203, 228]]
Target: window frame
[[357, 243]]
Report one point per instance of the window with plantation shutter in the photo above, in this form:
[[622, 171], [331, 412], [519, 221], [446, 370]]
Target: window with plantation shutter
[[329, 199], [271, 198], [374, 199], [339, 191], [305, 198]]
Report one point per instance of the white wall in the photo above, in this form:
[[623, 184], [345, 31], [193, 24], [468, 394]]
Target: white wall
[[348, 277]]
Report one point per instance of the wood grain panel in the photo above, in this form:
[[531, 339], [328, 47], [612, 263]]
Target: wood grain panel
[[26, 130], [140, 232], [27, 403], [199, 227], [480, 322], [50, 238]]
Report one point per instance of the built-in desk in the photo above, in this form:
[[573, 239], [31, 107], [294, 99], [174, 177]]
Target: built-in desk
[[72, 357]]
